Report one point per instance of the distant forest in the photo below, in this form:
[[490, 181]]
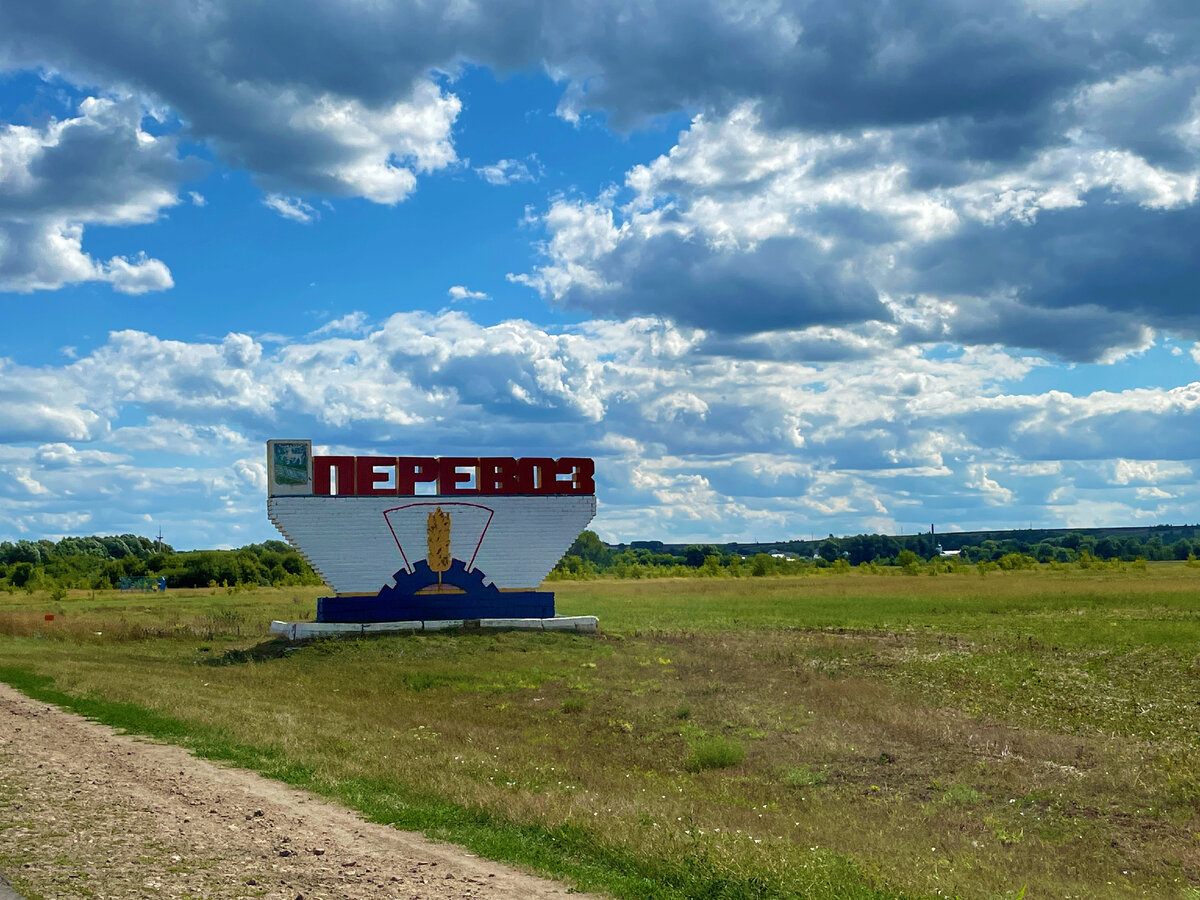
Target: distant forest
[[1005, 549], [100, 562]]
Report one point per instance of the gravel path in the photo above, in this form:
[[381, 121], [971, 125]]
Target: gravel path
[[85, 812]]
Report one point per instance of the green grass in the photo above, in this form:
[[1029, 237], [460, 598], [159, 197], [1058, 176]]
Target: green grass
[[713, 752], [1063, 609], [566, 851], [821, 737], [803, 776]]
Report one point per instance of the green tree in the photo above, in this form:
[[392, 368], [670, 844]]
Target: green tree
[[761, 564], [25, 551], [696, 554], [22, 572], [589, 547]]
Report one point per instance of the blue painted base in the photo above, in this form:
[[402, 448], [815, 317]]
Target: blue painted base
[[403, 603]]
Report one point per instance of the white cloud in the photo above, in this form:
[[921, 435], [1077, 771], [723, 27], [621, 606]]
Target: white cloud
[[29, 483], [61, 454], [511, 171], [97, 168], [137, 277], [691, 444], [178, 437], [1153, 493], [292, 208], [351, 323], [253, 472], [459, 293], [1150, 471], [991, 489], [377, 152], [745, 228]]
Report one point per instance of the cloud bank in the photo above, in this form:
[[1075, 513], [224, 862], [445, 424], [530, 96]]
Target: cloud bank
[[689, 443], [817, 306]]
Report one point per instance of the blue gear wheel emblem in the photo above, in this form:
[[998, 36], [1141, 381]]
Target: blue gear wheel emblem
[[403, 602], [421, 577]]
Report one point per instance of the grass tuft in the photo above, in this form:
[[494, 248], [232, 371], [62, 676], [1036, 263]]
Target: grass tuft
[[713, 752], [803, 776]]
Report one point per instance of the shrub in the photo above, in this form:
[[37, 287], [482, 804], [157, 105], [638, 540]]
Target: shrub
[[1012, 561], [761, 564]]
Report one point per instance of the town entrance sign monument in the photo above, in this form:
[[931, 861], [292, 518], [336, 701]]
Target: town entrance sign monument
[[404, 539]]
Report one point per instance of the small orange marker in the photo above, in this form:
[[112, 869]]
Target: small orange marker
[[49, 617]]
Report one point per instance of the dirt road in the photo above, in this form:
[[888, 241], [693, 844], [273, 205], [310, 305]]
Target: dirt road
[[85, 812]]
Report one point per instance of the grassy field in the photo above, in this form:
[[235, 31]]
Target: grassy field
[[1025, 734]]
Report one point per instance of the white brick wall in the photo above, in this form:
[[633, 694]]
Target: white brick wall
[[348, 542]]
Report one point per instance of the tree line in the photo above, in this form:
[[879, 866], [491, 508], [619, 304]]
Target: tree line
[[100, 562], [589, 556]]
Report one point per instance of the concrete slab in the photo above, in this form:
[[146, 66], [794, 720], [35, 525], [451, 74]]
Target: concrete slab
[[379, 627], [298, 631], [6, 891], [442, 625], [528, 624], [582, 624]]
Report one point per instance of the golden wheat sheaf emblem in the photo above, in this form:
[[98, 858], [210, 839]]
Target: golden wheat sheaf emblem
[[437, 535]]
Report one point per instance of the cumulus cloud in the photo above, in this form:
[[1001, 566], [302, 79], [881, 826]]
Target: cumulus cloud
[[99, 167], [458, 293], [294, 134], [690, 443], [273, 87], [278, 106], [1150, 471], [811, 243], [842, 64], [1020, 173], [860, 187]]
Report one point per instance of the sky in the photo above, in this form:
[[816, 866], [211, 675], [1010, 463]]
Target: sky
[[784, 269]]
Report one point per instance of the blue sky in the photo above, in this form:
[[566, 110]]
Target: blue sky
[[783, 268]]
